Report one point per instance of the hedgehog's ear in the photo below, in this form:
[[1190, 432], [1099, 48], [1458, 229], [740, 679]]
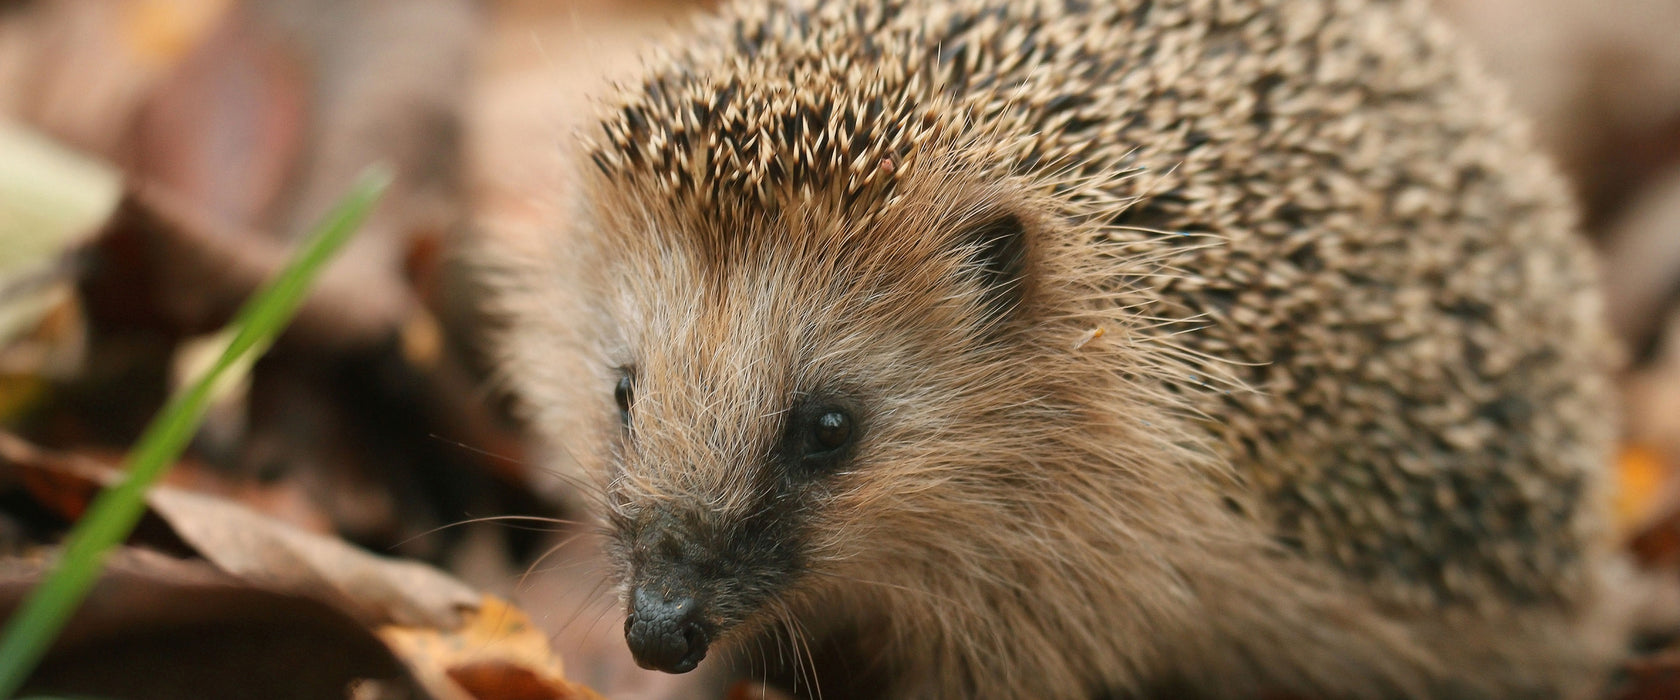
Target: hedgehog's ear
[[996, 243]]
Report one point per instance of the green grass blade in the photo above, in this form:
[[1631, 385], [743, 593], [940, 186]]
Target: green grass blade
[[114, 512]]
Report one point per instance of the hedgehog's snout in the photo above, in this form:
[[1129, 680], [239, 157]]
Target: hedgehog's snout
[[668, 627], [666, 633], [691, 580]]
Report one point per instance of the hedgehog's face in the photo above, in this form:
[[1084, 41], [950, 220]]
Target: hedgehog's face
[[799, 403]]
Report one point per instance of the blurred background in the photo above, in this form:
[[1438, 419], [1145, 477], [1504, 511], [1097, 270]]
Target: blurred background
[[158, 157]]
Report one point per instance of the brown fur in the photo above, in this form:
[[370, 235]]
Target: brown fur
[[1300, 389]]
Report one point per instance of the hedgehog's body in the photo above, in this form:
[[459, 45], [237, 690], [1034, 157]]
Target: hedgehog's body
[[1058, 348]]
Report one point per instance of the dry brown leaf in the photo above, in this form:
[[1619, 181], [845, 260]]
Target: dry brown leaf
[[496, 680], [160, 627], [256, 548], [497, 654], [459, 644], [265, 551], [79, 69], [64, 484], [226, 128]]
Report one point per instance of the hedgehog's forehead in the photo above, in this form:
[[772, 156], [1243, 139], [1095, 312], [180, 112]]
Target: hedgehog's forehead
[[758, 292], [715, 363], [797, 294], [798, 272]]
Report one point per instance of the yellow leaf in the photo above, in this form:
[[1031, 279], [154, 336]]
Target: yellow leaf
[[495, 645], [1641, 478], [160, 32]]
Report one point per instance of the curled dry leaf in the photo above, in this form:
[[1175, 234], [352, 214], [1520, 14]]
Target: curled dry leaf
[[160, 627], [259, 549], [268, 120], [271, 554], [496, 654], [455, 643]]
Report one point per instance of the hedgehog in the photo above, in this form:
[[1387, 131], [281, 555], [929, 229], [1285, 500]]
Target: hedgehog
[[1072, 349]]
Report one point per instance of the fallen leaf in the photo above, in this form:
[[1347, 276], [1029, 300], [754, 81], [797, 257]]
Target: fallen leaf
[[224, 130], [456, 643], [160, 627], [496, 655], [256, 548], [266, 551], [1644, 479]]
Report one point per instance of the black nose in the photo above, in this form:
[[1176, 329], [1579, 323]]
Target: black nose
[[665, 634]]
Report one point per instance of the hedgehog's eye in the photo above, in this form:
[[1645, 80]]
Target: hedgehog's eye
[[817, 440], [830, 431], [624, 394]]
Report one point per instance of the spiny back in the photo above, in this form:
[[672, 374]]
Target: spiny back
[[1392, 274]]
